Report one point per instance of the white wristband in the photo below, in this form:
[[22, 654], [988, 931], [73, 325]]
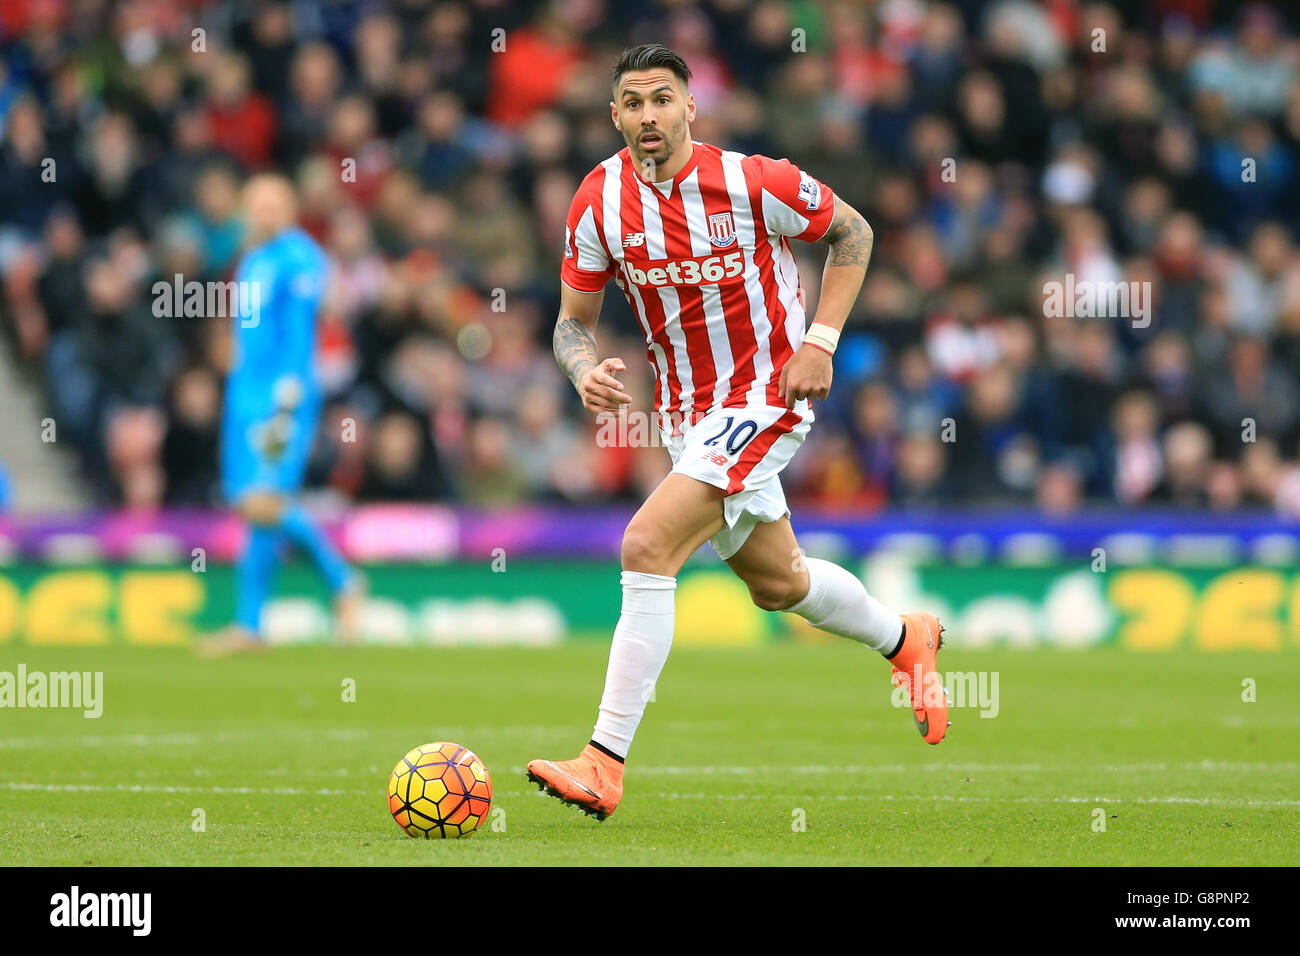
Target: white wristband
[[822, 336]]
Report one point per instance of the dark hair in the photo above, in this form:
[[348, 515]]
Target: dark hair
[[647, 56]]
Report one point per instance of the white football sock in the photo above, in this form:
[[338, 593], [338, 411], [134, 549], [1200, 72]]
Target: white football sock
[[640, 647], [838, 602]]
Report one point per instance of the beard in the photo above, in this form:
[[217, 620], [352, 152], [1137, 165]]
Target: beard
[[661, 153]]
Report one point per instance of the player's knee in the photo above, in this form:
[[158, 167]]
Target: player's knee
[[777, 594], [643, 550]]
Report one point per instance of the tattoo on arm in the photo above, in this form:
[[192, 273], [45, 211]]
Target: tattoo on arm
[[575, 348], [850, 237]]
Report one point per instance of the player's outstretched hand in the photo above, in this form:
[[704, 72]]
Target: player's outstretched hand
[[600, 390], [806, 375]]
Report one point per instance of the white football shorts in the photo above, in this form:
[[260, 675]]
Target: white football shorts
[[742, 451]]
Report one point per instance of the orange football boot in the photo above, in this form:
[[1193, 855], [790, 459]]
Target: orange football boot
[[592, 781], [916, 668]]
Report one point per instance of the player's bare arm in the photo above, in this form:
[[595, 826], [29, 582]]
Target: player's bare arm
[[850, 238], [808, 373], [574, 342]]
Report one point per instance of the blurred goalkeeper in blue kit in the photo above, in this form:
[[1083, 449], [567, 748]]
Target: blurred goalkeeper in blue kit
[[272, 408]]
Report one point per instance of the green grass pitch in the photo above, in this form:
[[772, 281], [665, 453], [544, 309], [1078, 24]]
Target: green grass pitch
[[737, 748]]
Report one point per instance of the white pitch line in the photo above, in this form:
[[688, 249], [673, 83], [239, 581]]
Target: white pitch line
[[848, 770], [228, 736], [867, 769], [174, 739], [159, 788], [23, 786], [949, 798]]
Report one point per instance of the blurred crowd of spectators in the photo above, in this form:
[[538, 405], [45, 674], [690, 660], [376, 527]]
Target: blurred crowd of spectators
[[993, 147]]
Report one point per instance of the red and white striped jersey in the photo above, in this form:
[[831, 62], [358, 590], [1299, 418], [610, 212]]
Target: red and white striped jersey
[[705, 263]]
